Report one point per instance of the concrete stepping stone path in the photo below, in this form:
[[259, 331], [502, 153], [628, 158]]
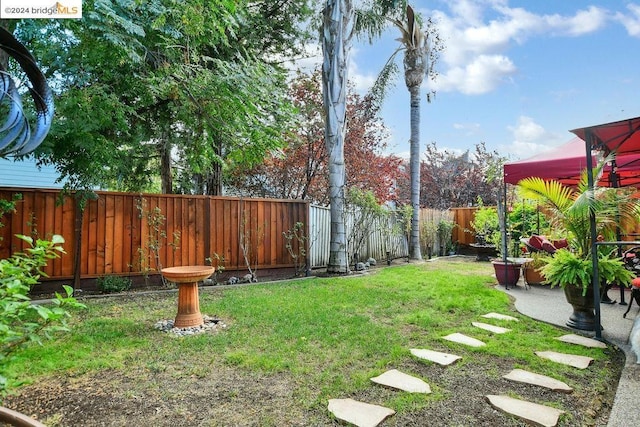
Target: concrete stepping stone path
[[359, 413], [582, 340], [580, 362], [527, 377], [491, 328], [402, 381], [539, 414], [464, 339], [500, 317], [440, 358]]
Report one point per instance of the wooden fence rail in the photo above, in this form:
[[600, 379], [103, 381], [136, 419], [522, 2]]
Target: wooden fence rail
[[121, 233]]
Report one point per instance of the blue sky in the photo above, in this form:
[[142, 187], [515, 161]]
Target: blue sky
[[515, 74]]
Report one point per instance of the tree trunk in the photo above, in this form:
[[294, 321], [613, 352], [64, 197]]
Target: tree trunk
[[166, 177], [336, 44], [414, 162]]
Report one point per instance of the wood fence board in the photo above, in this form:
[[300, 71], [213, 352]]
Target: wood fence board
[[57, 229], [231, 231], [92, 240], [129, 217], [68, 233], [177, 221], [273, 231], [118, 227], [101, 234]]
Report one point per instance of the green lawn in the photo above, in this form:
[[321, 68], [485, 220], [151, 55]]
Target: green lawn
[[327, 335]]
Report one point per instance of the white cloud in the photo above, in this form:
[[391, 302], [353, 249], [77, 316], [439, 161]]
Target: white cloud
[[480, 76], [529, 138], [362, 82], [468, 129], [477, 36], [632, 21], [585, 21]]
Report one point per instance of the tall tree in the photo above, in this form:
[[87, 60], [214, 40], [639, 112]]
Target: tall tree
[[138, 82], [420, 53], [299, 170], [336, 46], [338, 27], [451, 179]]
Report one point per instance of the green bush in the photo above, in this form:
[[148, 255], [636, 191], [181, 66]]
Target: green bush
[[113, 284], [22, 321]]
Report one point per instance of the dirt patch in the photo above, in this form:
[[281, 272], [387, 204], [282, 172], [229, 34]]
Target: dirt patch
[[227, 396]]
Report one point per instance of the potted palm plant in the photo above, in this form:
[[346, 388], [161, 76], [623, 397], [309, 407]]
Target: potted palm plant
[[571, 268]]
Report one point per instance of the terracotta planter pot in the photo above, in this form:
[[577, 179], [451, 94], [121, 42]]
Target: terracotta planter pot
[[532, 276], [583, 316], [507, 273]]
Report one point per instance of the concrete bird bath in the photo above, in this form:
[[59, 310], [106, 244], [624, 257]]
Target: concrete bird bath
[[187, 279]]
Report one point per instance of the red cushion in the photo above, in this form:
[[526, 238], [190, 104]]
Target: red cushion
[[548, 246], [636, 282], [536, 241], [562, 243]]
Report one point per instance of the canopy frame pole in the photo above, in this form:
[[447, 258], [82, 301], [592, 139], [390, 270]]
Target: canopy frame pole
[[595, 279]]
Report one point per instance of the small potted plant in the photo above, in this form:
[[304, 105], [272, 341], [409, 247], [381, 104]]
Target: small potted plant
[[531, 269], [571, 268]]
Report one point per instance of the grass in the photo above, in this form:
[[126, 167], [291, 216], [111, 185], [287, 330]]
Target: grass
[[330, 335]]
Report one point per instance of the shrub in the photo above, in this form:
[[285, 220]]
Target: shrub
[[113, 284], [22, 321]]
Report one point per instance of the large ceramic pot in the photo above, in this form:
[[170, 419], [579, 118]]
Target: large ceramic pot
[[583, 316], [507, 273], [532, 276]]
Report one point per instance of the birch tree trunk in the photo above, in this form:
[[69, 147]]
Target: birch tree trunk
[[336, 45], [414, 164]]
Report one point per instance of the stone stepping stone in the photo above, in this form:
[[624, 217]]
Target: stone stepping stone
[[464, 339], [582, 340], [443, 359], [527, 377], [359, 413], [580, 362], [402, 381], [500, 316], [539, 414], [491, 328]]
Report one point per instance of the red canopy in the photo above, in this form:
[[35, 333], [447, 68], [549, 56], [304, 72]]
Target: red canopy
[[567, 162], [619, 137], [564, 164]]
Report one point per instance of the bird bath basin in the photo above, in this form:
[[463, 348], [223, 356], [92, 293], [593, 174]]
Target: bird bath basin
[[187, 279]]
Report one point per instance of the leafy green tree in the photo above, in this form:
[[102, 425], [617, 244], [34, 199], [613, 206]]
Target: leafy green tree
[[143, 83]]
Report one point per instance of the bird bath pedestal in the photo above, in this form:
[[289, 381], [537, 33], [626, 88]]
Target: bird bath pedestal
[[187, 279]]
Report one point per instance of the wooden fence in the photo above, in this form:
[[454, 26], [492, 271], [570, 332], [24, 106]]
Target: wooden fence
[[462, 217], [127, 234], [381, 237]]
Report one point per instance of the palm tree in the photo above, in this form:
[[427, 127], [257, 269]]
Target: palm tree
[[420, 54], [340, 21]]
